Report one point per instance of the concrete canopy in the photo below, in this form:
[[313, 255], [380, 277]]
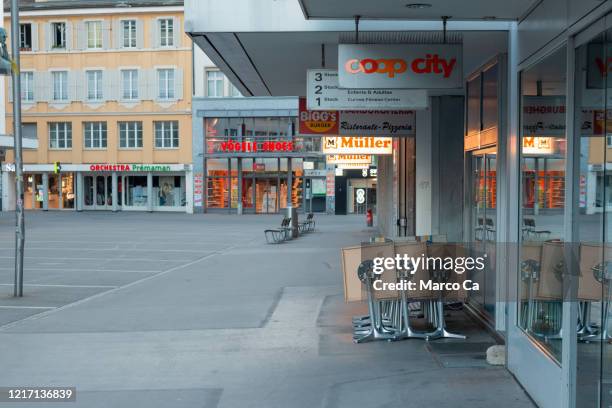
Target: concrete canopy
[[265, 47]]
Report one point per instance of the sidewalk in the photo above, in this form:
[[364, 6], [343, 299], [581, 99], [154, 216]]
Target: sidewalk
[[196, 311]]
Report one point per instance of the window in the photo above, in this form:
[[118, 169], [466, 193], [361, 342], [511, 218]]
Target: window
[[214, 84], [58, 35], [60, 85], [27, 86], [609, 141], [94, 34], [129, 84], [165, 80], [166, 32], [234, 92], [94, 85], [60, 135], [129, 33], [94, 134], [130, 135], [166, 134], [25, 37]]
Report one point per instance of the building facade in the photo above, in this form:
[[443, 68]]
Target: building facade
[[106, 91]]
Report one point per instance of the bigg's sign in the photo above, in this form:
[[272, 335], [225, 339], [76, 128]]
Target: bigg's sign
[[356, 123], [319, 122], [412, 66], [357, 145]]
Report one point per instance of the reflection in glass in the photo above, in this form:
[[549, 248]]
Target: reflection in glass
[[542, 163]]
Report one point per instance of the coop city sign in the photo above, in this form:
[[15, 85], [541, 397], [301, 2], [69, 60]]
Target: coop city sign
[[416, 66], [357, 145]]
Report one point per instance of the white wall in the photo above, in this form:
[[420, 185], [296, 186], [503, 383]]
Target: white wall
[[200, 63]]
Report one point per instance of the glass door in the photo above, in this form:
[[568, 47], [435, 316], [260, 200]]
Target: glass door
[[537, 309], [483, 227], [98, 192], [593, 133]]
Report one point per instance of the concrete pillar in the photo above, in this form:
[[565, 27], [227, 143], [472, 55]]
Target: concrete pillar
[[114, 191], [45, 180], [150, 192], [239, 201], [289, 183], [80, 192]]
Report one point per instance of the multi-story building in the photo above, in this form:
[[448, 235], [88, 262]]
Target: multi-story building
[[106, 91]]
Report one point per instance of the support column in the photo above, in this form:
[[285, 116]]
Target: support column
[[150, 192], [239, 201], [80, 192], [114, 191], [291, 212], [45, 180]]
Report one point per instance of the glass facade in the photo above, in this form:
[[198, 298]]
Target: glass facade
[[542, 201], [255, 146]]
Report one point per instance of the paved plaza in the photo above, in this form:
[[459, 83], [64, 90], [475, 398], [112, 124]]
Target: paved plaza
[[176, 310]]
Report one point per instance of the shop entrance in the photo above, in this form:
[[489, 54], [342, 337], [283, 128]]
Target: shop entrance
[[266, 195], [98, 190], [483, 227]]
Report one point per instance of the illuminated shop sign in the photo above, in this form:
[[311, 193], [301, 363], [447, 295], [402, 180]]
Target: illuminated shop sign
[[232, 146], [317, 122], [538, 145], [416, 66], [353, 165], [357, 145], [130, 167], [348, 159]]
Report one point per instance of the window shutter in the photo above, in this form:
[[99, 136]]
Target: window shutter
[[176, 26], [34, 36], [154, 33], [79, 85], [48, 38], [117, 34], [73, 85], [142, 84], [81, 36], [106, 34], [41, 83], [178, 83], [112, 82], [139, 34], [69, 43]]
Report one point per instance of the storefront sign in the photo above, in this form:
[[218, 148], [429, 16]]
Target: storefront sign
[[412, 66], [538, 145], [315, 173], [318, 122], [357, 145], [348, 158], [232, 146], [352, 122], [543, 115], [130, 167], [324, 93], [331, 184], [198, 189], [348, 166]]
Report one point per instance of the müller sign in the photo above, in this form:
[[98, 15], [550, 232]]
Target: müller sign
[[415, 66]]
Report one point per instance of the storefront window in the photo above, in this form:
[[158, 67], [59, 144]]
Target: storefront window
[[216, 196], [169, 191], [54, 191], [542, 264], [67, 190], [136, 191], [593, 136]]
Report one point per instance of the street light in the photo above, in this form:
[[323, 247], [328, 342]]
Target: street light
[[10, 66]]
